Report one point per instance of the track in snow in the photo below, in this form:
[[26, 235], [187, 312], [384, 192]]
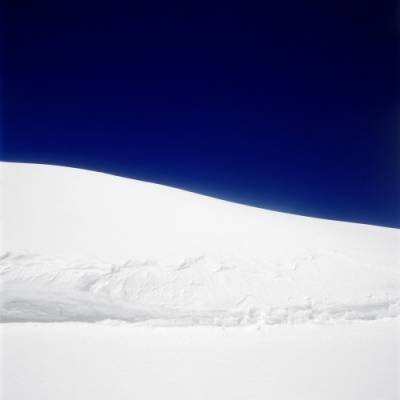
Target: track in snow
[[199, 291]]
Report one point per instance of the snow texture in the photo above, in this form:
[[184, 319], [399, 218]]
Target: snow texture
[[85, 246]]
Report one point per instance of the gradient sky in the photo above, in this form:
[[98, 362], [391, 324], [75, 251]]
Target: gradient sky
[[291, 106]]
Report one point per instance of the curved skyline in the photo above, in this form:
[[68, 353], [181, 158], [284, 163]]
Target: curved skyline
[[280, 106]]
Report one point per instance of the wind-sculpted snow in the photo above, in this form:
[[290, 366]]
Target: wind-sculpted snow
[[68, 233], [294, 287]]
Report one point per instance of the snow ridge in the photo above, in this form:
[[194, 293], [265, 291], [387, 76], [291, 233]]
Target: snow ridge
[[84, 246], [198, 291]]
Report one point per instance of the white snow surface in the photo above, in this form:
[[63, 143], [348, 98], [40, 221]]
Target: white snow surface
[[115, 288], [77, 361], [85, 246]]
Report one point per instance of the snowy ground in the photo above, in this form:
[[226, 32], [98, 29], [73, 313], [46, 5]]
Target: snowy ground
[[117, 288], [199, 291], [89, 361]]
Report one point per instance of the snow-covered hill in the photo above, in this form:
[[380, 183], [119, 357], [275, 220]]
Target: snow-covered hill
[[85, 246]]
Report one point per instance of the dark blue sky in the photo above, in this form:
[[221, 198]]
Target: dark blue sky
[[291, 105]]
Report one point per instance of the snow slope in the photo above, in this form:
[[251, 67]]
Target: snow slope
[[85, 246]]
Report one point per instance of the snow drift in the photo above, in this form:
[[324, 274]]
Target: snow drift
[[86, 246]]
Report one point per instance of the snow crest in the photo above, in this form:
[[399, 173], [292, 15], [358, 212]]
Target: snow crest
[[75, 245], [330, 288]]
